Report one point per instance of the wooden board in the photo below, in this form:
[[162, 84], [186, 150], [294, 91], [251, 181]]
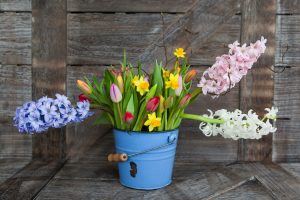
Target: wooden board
[[15, 40], [10, 166], [288, 7], [95, 38], [129, 5], [204, 52], [288, 34], [49, 50], [15, 5], [256, 89], [292, 168]]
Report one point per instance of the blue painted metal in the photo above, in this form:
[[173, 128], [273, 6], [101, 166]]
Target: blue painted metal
[[150, 158]]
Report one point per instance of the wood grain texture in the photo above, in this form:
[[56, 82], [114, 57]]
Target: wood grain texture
[[256, 89], [292, 168], [204, 52], [288, 35], [49, 49], [10, 166], [286, 141], [15, 5], [29, 181], [288, 7], [15, 40], [95, 38], [201, 21], [129, 5]]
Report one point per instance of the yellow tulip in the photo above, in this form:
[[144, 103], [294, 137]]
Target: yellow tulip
[[84, 87]]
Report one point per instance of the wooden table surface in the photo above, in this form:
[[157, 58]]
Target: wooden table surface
[[90, 176]]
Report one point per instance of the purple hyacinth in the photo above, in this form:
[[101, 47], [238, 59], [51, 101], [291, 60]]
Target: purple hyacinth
[[37, 117]]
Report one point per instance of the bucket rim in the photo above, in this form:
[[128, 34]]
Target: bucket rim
[[145, 132]]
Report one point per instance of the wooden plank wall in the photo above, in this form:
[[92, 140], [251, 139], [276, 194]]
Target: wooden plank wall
[[98, 32]]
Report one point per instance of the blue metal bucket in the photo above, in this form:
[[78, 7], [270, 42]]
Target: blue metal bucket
[[150, 158]]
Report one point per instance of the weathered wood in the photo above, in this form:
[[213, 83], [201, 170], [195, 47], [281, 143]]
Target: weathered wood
[[129, 5], [288, 7], [29, 181], [202, 20], [49, 49], [15, 40], [81, 136], [95, 38], [280, 183], [205, 52], [287, 40], [10, 166], [256, 89], [292, 168], [15, 5], [249, 190]]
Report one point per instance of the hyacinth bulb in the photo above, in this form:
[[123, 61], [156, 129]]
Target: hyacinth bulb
[[153, 104], [115, 93]]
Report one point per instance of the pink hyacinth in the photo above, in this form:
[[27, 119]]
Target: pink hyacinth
[[230, 68]]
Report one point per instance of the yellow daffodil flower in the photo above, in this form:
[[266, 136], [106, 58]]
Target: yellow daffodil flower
[[135, 80], [142, 86], [166, 73], [152, 121], [173, 82], [179, 53]]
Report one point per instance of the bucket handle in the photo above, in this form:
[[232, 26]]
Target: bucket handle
[[122, 157]]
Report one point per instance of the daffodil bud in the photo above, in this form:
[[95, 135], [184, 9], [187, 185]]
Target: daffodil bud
[[84, 87], [161, 104], [120, 83], [169, 102], [115, 93]]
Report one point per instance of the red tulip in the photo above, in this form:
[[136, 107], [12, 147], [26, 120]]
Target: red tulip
[[153, 104], [82, 97], [128, 117], [185, 100]]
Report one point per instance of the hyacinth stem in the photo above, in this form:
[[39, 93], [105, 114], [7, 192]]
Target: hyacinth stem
[[202, 118]]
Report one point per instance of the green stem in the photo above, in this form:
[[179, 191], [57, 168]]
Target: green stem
[[202, 118], [120, 114]]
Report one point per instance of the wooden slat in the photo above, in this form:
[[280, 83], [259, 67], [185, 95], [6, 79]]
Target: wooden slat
[[292, 168], [15, 5], [280, 183], [286, 144], [288, 7], [29, 181], [15, 40], [205, 52], [10, 166], [205, 18], [49, 49], [95, 38], [256, 89], [129, 5], [288, 34], [249, 190]]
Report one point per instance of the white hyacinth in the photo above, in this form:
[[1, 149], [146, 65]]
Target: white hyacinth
[[238, 125]]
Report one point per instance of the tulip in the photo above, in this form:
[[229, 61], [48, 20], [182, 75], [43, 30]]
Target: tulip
[[84, 87], [179, 89], [120, 83], [82, 97], [128, 117], [190, 75], [115, 93], [153, 104], [185, 100], [169, 102]]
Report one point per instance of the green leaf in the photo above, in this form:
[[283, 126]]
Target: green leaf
[[104, 118], [151, 92], [157, 78], [130, 105]]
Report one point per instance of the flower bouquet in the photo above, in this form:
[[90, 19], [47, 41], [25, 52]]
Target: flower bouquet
[[146, 110]]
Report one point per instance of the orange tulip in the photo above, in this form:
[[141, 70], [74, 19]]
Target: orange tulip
[[84, 87], [190, 75]]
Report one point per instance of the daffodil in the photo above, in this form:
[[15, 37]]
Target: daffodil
[[179, 53], [135, 80], [173, 82], [142, 85], [152, 121], [166, 73]]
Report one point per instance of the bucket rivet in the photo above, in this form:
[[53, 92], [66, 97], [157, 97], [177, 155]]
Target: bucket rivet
[[172, 138]]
